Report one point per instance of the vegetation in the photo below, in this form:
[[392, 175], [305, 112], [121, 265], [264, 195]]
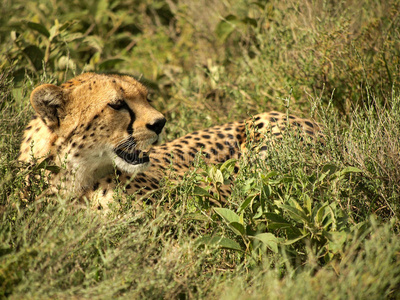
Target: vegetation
[[301, 223]]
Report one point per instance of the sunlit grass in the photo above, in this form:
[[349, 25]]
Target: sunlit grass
[[306, 222]]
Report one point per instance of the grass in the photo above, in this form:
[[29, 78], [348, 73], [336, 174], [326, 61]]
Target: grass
[[304, 222]]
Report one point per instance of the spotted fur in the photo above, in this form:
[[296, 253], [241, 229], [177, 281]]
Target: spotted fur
[[95, 123], [89, 124]]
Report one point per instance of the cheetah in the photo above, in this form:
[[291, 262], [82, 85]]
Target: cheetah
[[103, 131], [89, 124]]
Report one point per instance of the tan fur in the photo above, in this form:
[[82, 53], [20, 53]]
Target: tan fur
[[90, 166], [76, 125]]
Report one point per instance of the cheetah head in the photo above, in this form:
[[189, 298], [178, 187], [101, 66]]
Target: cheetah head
[[98, 121]]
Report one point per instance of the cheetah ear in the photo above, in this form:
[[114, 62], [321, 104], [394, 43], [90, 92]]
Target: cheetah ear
[[48, 101]]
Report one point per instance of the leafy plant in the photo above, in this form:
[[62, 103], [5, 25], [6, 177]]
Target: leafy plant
[[280, 214]]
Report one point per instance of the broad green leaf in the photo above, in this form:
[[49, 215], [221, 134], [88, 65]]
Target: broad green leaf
[[248, 184], [53, 169], [274, 226], [73, 36], [211, 172], [292, 241], [226, 27], [268, 239], [196, 216], [276, 222], [54, 30], [320, 216], [269, 175], [218, 177], [332, 219], [39, 28], [241, 218], [237, 228], [45, 165], [65, 25], [35, 55], [249, 21], [308, 203], [330, 169], [227, 214], [275, 218], [198, 191], [228, 166], [328, 222], [258, 213], [246, 203], [337, 241], [100, 9], [296, 214], [220, 242], [297, 205], [348, 170], [266, 190], [322, 176], [312, 178]]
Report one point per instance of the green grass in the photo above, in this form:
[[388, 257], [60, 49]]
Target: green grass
[[305, 222]]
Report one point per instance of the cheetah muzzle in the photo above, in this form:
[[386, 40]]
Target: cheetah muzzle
[[136, 157]]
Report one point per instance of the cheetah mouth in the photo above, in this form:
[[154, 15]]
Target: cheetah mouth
[[136, 157]]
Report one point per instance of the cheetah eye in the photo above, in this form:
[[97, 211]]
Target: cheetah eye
[[121, 104]]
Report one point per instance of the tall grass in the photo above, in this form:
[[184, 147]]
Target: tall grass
[[305, 221]]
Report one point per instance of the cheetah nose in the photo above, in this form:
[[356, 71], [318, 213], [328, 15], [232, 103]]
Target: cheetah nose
[[157, 125]]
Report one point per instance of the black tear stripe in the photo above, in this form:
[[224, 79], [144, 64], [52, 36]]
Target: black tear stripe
[[133, 119]]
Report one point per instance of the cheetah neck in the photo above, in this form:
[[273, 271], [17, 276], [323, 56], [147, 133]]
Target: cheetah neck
[[83, 173], [77, 172]]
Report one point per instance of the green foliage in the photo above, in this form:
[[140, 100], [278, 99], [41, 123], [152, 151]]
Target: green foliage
[[280, 211], [310, 46], [359, 274], [303, 221], [348, 54]]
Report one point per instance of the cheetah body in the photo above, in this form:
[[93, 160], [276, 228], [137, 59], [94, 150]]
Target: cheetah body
[[94, 124]]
